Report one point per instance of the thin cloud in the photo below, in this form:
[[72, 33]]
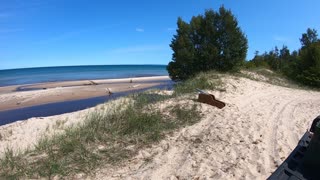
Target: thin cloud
[[171, 29], [139, 48], [60, 37], [11, 30], [282, 39], [73, 34], [5, 15], [139, 30]]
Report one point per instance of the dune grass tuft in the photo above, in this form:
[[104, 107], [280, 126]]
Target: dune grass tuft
[[204, 80]]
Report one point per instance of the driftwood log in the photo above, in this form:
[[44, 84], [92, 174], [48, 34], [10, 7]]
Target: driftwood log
[[207, 98]]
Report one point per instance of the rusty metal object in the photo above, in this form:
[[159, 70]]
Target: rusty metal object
[[210, 99]]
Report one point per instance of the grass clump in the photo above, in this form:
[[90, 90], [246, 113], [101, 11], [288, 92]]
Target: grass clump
[[271, 77], [104, 138], [204, 80]]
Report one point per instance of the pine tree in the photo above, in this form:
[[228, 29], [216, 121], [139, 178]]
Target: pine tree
[[212, 41]]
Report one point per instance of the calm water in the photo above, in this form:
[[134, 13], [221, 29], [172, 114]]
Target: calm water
[[51, 109], [67, 73]]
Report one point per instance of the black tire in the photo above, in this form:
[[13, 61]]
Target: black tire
[[314, 123]]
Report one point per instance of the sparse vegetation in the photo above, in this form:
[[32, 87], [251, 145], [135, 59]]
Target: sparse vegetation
[[271, 77], [107, 136], [59, 124], [204, 80]]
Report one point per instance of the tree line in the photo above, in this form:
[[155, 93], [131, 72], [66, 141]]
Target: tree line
[[302, 65], [214, 41]]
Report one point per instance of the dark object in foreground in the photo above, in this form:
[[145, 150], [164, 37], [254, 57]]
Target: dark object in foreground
[[210, 99], [304, 161]]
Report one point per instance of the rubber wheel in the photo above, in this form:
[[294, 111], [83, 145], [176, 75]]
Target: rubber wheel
[[314, 123]]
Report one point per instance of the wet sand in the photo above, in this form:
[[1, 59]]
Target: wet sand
[[16, 97]]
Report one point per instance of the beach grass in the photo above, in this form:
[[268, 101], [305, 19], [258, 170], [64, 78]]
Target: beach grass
[[204, 80], [104, 138], [271, 77]]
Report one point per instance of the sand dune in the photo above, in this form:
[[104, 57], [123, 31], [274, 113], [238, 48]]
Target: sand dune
[[248, 139]]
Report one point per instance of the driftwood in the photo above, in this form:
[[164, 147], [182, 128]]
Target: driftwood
[[134, 86], [93, 83], [207, 98]]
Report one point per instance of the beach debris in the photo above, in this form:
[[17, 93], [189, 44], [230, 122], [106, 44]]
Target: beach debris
[[207, 98], [109, 92], [93, 83], [134, 86], [131, 81]]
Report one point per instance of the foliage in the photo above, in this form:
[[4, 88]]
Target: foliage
[[302, 66], [309, 66], [212, 41], [310, 37]]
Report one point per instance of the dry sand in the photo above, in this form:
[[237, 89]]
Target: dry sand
[[248, 139], [70, 90]]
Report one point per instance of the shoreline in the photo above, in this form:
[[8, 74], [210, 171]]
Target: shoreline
[[22, 96], [63, 107]]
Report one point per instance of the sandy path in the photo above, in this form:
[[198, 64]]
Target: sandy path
[[247, 139]]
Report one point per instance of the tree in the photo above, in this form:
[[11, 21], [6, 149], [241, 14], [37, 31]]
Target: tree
[[302, 65], [183, 48], [310, 37], [309, 65], [212, 41]]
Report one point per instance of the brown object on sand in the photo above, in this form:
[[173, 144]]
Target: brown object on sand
[[210, 99], [109, 91]]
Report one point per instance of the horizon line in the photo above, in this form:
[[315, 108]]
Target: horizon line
[[85, 65]]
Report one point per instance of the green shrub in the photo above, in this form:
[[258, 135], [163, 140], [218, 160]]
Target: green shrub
[[204, 80]]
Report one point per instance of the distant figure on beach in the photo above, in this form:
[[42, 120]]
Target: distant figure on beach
[[109, 92]]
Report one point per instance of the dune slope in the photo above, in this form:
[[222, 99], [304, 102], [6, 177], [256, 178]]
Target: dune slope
[[248, 139]]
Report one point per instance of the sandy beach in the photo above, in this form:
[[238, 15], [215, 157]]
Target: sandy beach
[[14, 97], [248, 139]]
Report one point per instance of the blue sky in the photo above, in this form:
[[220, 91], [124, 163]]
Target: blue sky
[[36, 33]]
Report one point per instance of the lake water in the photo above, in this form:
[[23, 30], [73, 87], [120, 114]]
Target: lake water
[[69, 73]]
